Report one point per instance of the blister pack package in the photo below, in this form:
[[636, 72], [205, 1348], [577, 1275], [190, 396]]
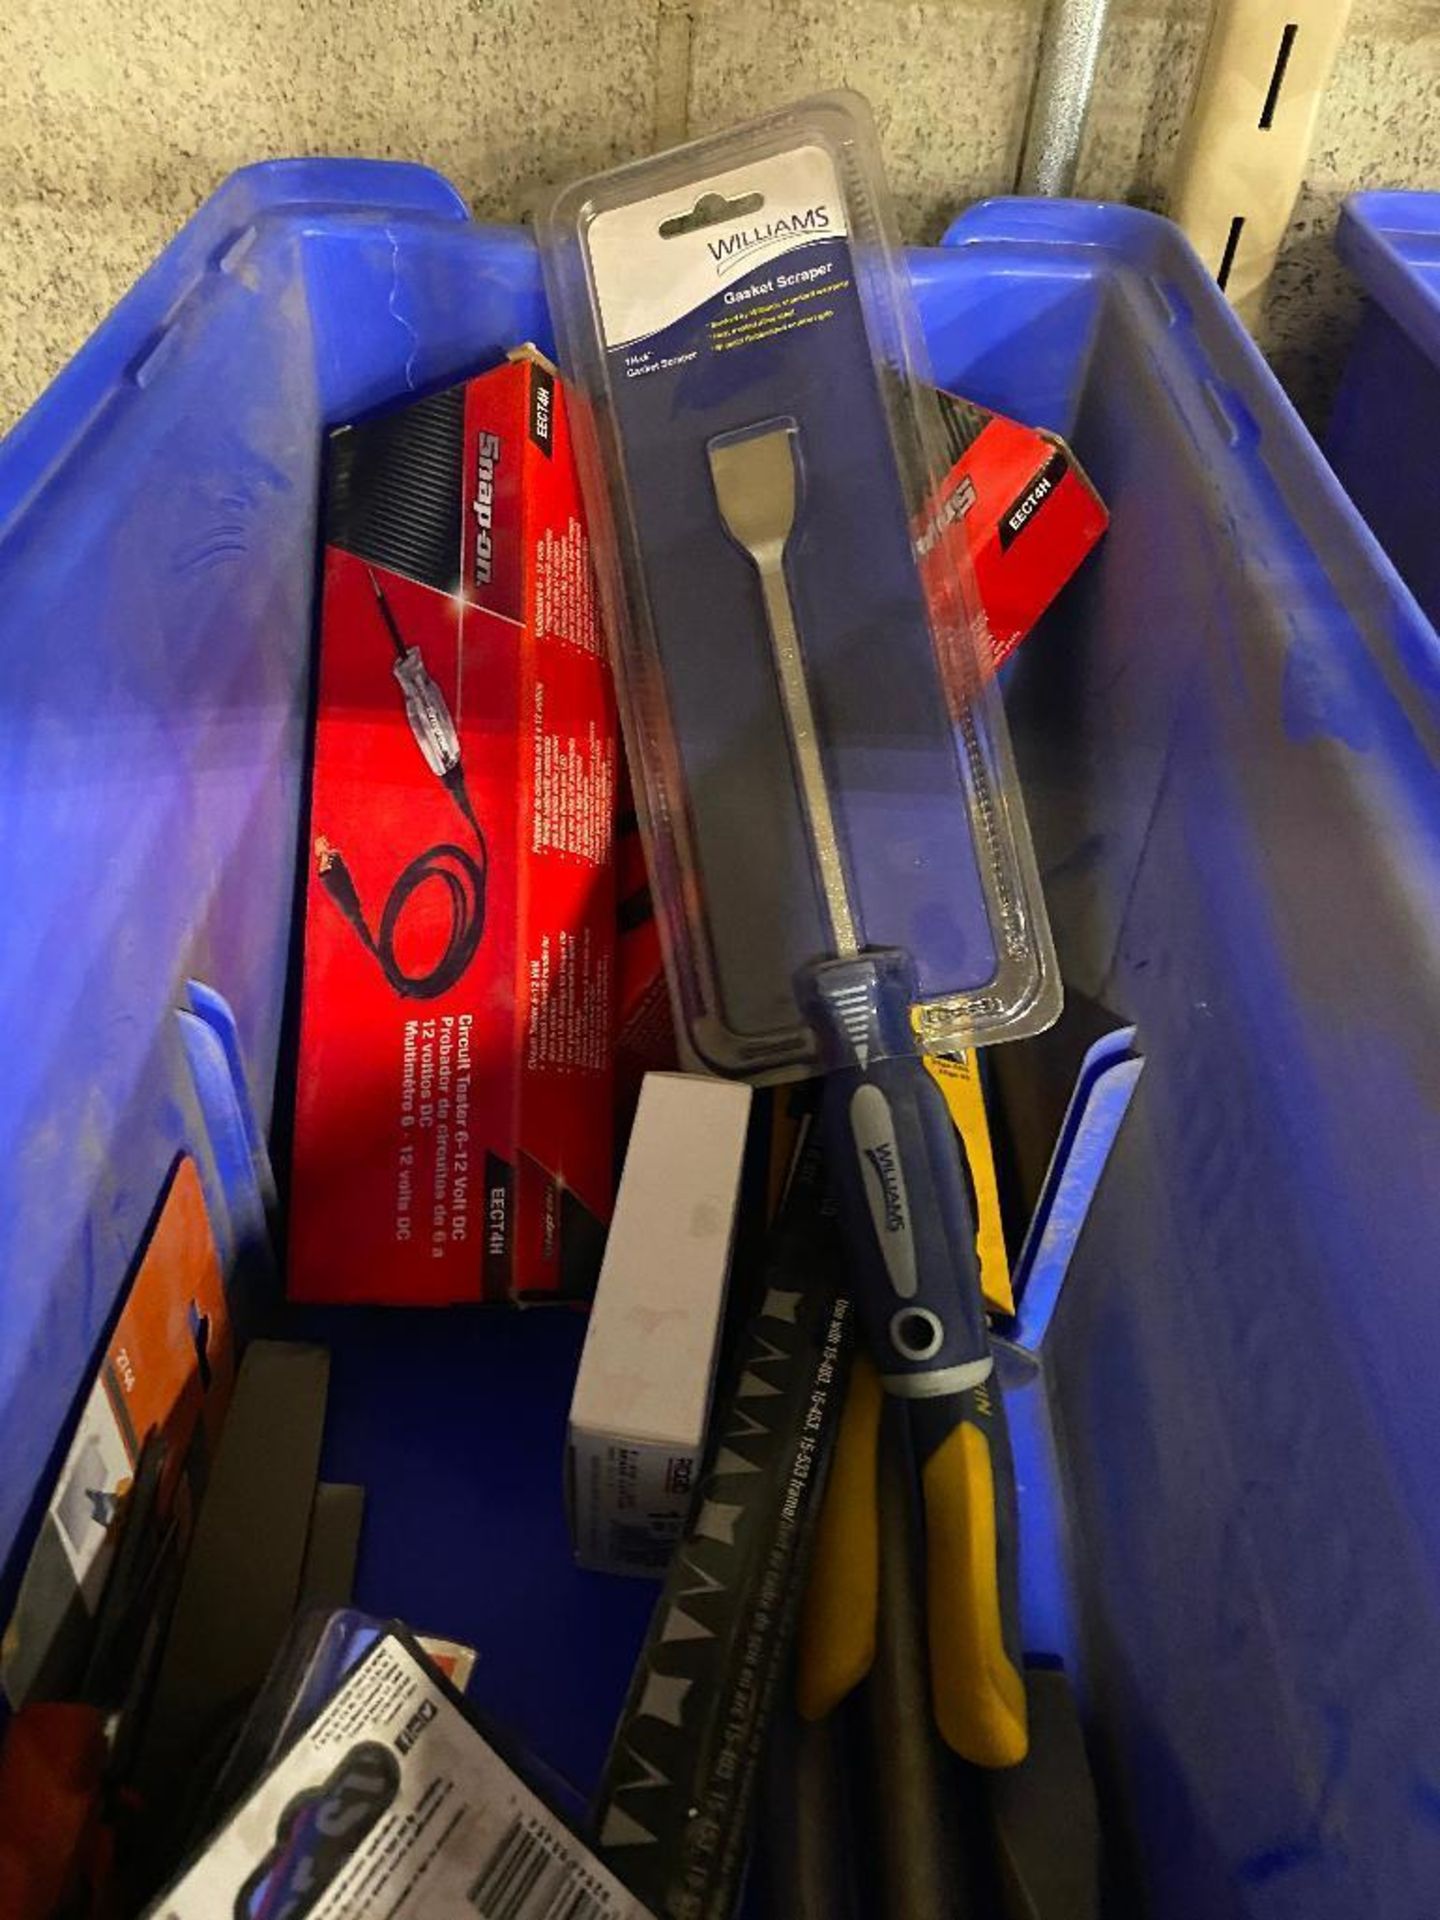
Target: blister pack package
[[823, 768]]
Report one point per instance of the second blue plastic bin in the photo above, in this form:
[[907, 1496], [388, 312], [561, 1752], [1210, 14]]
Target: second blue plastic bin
[[1228, 734], [1384, 434]]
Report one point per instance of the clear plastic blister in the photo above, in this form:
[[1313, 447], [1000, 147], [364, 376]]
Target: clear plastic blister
[[820, 759]]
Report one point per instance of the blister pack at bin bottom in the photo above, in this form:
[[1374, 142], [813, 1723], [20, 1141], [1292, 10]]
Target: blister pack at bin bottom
[[390, 1796]]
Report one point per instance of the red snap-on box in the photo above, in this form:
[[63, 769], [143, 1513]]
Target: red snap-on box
[[453, 1133], [1027, 511]]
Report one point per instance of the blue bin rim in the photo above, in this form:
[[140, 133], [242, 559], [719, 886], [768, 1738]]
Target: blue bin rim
[[309, 188], [1390, 241], [1108, 226], [267, 189], [1391, 238]]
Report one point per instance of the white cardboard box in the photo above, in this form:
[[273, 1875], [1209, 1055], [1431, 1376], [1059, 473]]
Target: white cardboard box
[[642, 1396]]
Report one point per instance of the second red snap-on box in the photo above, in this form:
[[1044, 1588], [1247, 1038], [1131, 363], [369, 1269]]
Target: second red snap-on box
[[1027, 514], [453, 1135]]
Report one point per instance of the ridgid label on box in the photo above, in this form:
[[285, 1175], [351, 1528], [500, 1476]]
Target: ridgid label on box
[[394, 1805]]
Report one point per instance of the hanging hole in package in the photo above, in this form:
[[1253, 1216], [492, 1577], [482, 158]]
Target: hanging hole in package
[[819, 749]]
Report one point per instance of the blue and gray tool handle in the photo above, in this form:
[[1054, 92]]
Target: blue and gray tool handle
[[900, 1188], [898, 1179]]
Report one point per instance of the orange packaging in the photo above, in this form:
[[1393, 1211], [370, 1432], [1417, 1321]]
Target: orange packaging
[[168, 1368]]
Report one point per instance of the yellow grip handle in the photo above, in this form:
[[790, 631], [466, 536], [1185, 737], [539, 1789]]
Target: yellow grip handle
[[978, 1690], [842, 1597]]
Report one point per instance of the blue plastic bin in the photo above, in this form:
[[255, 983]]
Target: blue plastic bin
[[1228, 733], [1385, 428]]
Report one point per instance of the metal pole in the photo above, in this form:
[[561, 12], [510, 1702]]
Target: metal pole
[[1064, 81]]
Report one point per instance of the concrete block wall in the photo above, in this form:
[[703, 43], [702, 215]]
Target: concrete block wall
[[118, 116]]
